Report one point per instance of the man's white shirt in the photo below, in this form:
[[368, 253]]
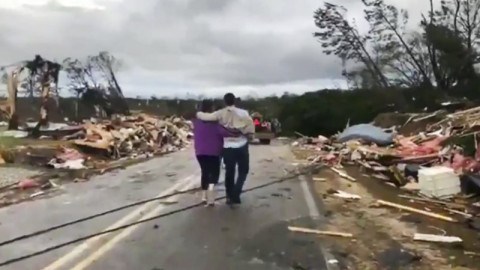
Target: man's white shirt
[[240, 141], [228, 142]]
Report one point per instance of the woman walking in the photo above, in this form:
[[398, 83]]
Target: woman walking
[[208, 141]]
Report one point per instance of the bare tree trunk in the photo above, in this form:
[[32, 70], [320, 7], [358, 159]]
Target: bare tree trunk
[[77, 101], [455, 18], [12, 87], [409, 51], [369, 61], [30, 88], [433, 55], [115, 82], [119, 95], [44, 105], [45, 97]]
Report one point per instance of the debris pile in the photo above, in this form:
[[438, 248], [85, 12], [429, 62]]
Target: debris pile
[[133, 136], [385, 151], [78, 151], [430, 163], [68, 158], [136, 136]]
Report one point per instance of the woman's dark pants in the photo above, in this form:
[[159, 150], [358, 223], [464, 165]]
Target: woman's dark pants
[[210, 166]]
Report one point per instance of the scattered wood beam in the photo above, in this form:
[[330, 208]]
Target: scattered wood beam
[[436, 238], [312, 231], [414, 210]]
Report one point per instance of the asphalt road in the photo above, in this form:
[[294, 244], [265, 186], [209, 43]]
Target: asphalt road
[[252, 236]]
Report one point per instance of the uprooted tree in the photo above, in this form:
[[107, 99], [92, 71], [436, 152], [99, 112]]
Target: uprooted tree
[[440, 54], [341, 38], [107, 65], [81, 78], [94, 82]]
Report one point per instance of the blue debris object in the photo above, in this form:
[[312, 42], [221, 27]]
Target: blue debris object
[[368, 133]]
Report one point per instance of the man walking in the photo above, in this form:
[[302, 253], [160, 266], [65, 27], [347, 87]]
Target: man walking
[[235, 149]]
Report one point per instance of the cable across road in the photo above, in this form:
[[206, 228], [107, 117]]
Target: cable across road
[[83, 238], [80, 220]]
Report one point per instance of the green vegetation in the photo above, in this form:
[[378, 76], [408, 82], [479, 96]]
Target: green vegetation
[[10, 142]]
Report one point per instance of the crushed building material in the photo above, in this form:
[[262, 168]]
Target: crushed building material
[[27, 183], [368, 133], [76, 164], [471, 253], [466, 215], [68, 158], [438, 182], [446, 203], [407, 159], [343, 174], [125, 136], [36, 194], [346, 195]]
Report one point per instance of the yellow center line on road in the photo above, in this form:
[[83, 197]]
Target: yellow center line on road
[[136, 214], [112, 242]]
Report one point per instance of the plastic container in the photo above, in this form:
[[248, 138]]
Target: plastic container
[[438, 182]]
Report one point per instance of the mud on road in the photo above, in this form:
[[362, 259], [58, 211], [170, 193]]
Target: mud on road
[[383, 237]]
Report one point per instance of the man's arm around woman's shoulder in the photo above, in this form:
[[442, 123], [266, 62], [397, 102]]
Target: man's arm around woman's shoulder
[[215, 116], [228, 132]]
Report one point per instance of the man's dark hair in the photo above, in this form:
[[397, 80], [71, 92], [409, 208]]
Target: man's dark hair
[[206, 106], [229, 99]]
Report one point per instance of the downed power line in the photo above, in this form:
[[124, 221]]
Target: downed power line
[[80, 239]]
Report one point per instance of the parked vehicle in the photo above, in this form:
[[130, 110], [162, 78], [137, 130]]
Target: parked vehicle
[[265, 131]]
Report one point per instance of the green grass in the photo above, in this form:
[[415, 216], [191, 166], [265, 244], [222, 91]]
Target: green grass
[[10, 142]]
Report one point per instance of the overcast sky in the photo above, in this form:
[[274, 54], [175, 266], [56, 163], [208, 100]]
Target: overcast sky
[[174, 47]]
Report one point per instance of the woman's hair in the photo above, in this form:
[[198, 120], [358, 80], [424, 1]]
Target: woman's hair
[[206, 106]]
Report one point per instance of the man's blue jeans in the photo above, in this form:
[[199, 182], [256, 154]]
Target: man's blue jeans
[[234, 157]]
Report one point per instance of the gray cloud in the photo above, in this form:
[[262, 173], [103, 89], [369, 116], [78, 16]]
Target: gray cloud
[[202, 43]]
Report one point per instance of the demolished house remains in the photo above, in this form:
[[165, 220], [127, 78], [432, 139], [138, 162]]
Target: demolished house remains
[[94, 147], [125, 136], [80, 148], [426, 156]]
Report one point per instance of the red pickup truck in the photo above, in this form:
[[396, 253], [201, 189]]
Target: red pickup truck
[[264, 131]]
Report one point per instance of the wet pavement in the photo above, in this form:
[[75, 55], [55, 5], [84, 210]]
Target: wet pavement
[[252, 236]]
